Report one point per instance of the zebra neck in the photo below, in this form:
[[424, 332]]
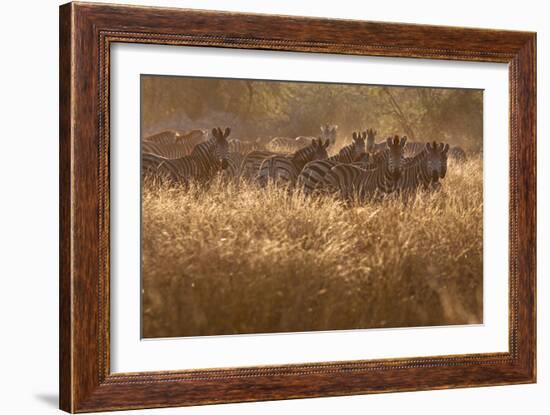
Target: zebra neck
[[302, 157], [203, 156], [385, 179], [344, 155], [423, 174], [419, 167]]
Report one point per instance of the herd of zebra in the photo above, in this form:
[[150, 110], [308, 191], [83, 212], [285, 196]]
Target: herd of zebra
[[363, 169]]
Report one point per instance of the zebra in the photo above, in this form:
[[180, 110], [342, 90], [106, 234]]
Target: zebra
[[372, 145], [252, 162], [328, 132], [234, 161], [203, 163], [166, 150], [243, 147], [150, 163], [413, 148], [424, 169], [164, 137], [176, 147], [173, 136], [286, 169], [193, 136], [379, 178], [456, 153], [311, 176]]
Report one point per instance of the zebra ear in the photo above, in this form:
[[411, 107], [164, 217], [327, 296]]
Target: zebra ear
[[446, 148], [403, 141], [389, 141], [326, 144], [428, 146], [215, 132], [227, 132], [364, 135], [354, 136]]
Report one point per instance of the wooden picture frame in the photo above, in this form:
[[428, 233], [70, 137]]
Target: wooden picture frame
[[86, 33]]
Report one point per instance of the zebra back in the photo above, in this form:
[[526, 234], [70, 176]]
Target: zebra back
[[277, 169], [167, 150], [456, 153], [234, 161], [163, 137], [150, 163], [414, 148], [243, 147], [311, 178], [287, 144], [286, 168], [424, 169], [379, 178], [251, 163], [193, 137]]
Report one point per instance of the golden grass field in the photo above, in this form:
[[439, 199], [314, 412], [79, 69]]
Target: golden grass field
[[238, 259]]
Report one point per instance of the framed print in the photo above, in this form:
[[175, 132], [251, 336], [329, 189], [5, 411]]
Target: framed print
[[258, 207]]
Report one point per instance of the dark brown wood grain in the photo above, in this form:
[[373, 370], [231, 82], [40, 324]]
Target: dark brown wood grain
[[86, 33]]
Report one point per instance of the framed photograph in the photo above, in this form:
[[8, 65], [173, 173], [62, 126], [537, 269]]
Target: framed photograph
[[258, 207]]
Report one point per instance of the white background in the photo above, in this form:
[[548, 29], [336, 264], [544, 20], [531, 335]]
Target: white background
[[129, 354], [29, 208]]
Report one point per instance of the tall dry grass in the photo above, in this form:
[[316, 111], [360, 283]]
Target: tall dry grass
[[237, 259]]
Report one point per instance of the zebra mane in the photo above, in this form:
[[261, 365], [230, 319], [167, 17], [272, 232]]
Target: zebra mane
[[303, 154], [379, 157], [417, 158], [205, 146], [345, 153]]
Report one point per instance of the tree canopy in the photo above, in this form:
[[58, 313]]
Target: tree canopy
[[257, 108]]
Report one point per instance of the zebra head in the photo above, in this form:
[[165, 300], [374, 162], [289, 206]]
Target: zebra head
[[329, 132], [221, 146], [395, 155], [358, 144], [371, 136], [319, 149], [436, 160]]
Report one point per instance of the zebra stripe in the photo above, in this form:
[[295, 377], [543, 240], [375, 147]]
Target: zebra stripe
[[285, 169], [150, 163], [172, 145], [234, 161], [457, 154], [287, 144], [425, 169], [173, 136], [243, 147], [328, 133], [164, 137], [168, 151], [414, 148], [311, 178], [252, 162], [380, 178], [202, 164]]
